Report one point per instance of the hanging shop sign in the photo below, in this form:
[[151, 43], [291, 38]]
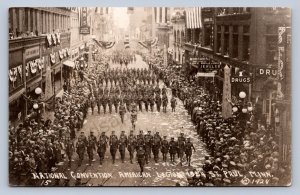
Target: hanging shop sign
[[210, 65], [32, 52], [266, 72], [84, 28], [241, 78]]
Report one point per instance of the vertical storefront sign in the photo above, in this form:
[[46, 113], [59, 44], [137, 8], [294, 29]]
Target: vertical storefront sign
[[282, 38]]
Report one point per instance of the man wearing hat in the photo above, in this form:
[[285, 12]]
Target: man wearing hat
[[80, 149], [91, 146], [122, 111], [133, 118], [173, 103], [164, 148], [122, 145], [131, 145], [181, 147], [102, 143], [140, 139], [113, 143], [188, 150], [156, 146], [151, 101], [173, 147], [69, 149], [141, 157], [148, 145], [158, 102]]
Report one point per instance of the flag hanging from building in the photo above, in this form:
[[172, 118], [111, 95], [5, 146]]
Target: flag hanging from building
[[193, 18], [226, 105]]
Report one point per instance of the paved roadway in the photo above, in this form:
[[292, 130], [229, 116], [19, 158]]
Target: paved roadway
[[169, 124]]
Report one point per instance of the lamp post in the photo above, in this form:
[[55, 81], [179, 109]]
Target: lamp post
[[38, 91], [244, 108]]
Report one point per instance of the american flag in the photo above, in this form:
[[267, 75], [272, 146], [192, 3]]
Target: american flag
[[193, 18]]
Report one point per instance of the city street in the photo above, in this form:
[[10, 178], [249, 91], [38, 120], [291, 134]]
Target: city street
[[169, 124], [216, 82]]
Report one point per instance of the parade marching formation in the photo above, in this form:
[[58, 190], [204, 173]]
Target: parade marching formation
[[39, 145]]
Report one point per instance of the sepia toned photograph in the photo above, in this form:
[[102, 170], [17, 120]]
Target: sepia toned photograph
[[149, 96]]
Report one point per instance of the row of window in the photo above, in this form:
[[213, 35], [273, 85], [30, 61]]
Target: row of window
[[31, 21]]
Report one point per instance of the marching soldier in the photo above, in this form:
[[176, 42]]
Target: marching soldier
[[181, 147], [173, 103], [92, 102], [82, 137], [148, 145], [152, 101], [131, 145], [140, 139], [188, 150], [133, 118], [91, 146], [141, 157], [156, 146], [140, 102], [104, 102], [69, 149], [165, 148], [80, 149], [99, 101], [102, 144], [116, 102], [158, 102], [113, 143], [110, 103], [122, 111], [122, 145], [146, 102], [165, 103], [173, 149]]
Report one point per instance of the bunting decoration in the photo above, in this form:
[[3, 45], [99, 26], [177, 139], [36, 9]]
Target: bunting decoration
[[53, 39], [58, 38], [52, 58], [13, 75], [49, 39], [105, 45]]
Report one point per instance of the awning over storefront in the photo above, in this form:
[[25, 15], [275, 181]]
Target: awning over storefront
[[16, 95], [69, 63]]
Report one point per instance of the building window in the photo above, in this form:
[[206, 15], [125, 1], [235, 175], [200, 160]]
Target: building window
[[235, 42], [271, 50], [207, 35]]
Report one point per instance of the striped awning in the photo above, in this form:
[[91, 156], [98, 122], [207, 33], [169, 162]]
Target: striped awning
[[193, 18]]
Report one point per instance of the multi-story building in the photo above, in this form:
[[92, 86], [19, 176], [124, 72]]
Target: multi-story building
[[39, 38], [246, 39]]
